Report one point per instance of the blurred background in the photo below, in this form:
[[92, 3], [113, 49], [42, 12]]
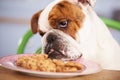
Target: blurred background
[[15, 18]]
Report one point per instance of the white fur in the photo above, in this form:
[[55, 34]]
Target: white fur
[[97, 43]]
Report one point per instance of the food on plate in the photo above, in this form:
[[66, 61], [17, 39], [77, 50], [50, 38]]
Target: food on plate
[[41, 62]]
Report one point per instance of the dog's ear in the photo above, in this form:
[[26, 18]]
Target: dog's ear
[[88, 2], [34, 22]]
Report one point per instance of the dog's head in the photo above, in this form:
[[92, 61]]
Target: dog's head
[[59, 24]]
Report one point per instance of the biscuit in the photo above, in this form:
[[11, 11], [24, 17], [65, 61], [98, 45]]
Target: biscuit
[[41, 62]]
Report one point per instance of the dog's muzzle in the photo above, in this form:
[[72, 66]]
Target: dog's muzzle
[[55, 48], [59, 45]]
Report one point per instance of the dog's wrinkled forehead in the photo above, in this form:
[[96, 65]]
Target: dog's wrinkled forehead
[[62, 15], [43, 19]]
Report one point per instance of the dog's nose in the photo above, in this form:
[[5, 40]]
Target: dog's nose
[[51, 38]]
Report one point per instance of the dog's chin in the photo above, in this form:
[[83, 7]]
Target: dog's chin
[[56, 54], [71, 59], [63, 53]]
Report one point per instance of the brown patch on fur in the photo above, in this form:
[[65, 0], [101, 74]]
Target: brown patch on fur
[[67, 11], [34, 22]]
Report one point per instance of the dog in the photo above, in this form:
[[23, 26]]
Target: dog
[[71, 29]]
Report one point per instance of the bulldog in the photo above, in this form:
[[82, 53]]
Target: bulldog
[[71, 29]]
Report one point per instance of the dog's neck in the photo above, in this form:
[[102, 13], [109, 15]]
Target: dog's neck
[[87, 34], [97, 43]]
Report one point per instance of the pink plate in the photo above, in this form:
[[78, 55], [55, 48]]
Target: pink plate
[[9, 63]]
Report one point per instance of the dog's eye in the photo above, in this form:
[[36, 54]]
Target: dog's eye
[[63, 23]]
